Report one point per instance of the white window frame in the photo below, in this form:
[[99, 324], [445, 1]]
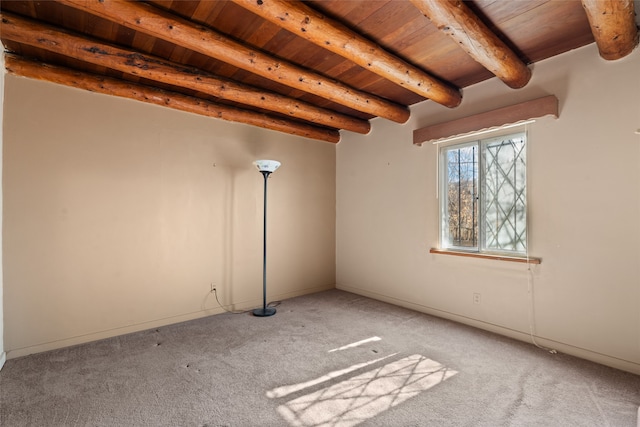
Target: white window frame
[[481, 143]]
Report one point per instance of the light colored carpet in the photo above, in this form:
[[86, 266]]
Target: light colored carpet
[[327, 359]]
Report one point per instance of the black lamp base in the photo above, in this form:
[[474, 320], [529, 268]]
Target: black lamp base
[[264, 312]]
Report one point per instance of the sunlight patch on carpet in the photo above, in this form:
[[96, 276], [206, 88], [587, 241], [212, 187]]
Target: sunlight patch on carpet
[[364, 396], [356, 344], [288, 389]]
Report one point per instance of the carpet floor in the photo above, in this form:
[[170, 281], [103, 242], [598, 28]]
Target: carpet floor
[[327, 359]]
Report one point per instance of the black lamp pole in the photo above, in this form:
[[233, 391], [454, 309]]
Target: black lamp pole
[[264, 311]]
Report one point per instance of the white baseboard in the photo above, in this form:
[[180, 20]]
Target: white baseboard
[[95, 336], [582, 353], [3, 358]]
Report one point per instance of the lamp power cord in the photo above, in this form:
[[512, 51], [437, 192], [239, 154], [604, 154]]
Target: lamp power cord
[[214, 291]]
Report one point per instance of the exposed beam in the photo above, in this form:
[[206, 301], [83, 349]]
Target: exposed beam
[[613, 26], [110, 86], [302, 20], [456, 20], [163, 25], [29, 32]]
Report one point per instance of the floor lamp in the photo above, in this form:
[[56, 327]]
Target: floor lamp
[[266, 168]]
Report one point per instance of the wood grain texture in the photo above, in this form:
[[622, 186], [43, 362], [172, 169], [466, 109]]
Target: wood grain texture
[[110, 86], [32, 33], [456, 20], [329, 34], [534, 30], [153, 21], [613, 26]]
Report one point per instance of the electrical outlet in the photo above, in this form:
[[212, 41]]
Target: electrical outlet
[[476, 298]]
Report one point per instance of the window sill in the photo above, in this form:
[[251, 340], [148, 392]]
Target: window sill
[[529, 260]]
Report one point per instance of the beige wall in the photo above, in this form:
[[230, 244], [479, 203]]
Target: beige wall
[[2, 76], [584, 198], [116, 219], [119, 216]]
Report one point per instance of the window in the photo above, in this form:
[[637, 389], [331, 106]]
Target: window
[[483, 201]]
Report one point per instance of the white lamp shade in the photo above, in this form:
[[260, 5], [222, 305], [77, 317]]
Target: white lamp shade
[[267, 165]]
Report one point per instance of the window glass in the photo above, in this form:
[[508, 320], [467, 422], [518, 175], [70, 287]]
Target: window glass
[[461, 195], [504, 194], [483, 202]]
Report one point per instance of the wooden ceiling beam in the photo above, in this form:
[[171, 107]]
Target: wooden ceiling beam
[[303, 21], [613, 26], [163, 25], [456, 20], [115, 87], [23, 30]]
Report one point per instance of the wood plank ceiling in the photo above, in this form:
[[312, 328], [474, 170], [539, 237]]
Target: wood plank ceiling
[[311, 68]]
